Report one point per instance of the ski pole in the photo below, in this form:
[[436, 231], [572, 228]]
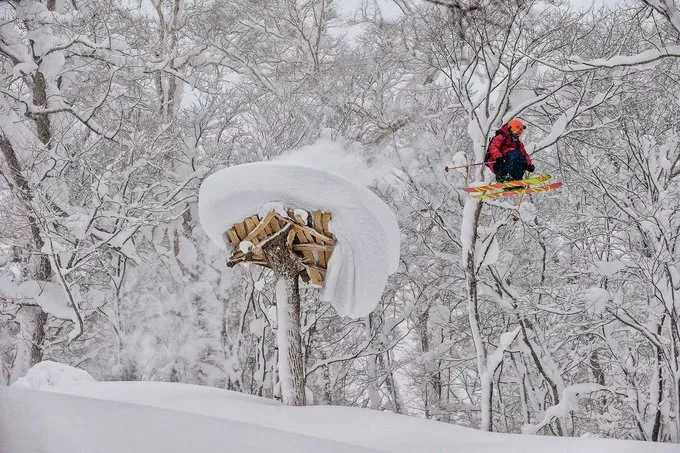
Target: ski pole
[[447, 168]]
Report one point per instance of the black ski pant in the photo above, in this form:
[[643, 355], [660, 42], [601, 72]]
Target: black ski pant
[[510, 167]]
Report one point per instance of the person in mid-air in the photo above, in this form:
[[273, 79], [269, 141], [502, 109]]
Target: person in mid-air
[[506, 155]]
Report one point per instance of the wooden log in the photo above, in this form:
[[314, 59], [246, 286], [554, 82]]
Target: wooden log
[[325, 221], [240, 230], [290, 238], [255, 233], [251, 223], [317, 235], [232, 237], [316, 275], [303, 239], [312, 261], [316, 221], [275, 224], [310, 247], [298, 218]]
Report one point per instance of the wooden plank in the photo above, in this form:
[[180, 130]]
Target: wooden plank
[[317, 235], [255, 233], [325, 219], [296, 217], [316, 275], [239, 256], [307, 256], [310, 247], [275, 224], [312, 244], [290, 238], [327, 257], [322, 259], [308, 236], [232, 237], [316, 221], [304, 237], [311, 260], [251, 224], [240, 231], [268, 230]]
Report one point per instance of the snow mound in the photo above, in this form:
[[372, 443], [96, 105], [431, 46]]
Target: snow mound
[[366, 229], [48, 375], [154, 417]]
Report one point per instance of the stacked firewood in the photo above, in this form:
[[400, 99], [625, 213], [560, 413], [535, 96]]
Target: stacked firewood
[[308, 238]]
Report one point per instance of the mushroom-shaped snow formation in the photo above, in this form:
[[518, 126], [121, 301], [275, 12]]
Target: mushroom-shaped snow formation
[[366, 229]]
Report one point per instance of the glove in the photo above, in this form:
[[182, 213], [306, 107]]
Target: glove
[[531, 168]]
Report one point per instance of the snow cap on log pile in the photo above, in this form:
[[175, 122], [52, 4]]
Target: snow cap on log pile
[[366, 229]]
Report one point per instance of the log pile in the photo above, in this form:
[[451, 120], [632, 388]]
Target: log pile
[[308, 238]]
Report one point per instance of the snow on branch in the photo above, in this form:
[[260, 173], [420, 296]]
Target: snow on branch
[[495, 358], [667, 9], [642, 59], [560, 127], [568, 403]]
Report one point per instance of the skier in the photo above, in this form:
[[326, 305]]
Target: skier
[[506, 156]]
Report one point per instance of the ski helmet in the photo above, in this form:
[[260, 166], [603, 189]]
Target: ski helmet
[[516, 126]]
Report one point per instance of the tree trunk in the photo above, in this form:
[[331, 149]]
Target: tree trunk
[[291, 366], [28, 350], [470, 223], [42, 121], [372, 368], [386, 365], [658, 385], [31, 318]]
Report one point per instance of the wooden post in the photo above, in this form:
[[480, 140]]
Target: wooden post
[[287, 268]]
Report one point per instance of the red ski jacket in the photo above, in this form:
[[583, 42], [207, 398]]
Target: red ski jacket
[[501, 145]]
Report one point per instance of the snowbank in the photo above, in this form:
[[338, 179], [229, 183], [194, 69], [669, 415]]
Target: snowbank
[[150, 417], [48, 422], [48, 375], [367, 250]]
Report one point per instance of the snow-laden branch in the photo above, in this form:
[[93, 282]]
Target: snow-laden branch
[[495, 358], [537, 100], [667, 9], [647, 57], [568, 403], [77, 318], [560, 127]]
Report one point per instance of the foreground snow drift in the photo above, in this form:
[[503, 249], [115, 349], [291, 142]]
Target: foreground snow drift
[[146, 417], [366, 229]]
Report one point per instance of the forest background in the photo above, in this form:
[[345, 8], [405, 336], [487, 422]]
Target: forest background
[[565, 322]]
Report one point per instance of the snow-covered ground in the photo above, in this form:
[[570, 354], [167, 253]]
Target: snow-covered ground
[[52, 413]]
